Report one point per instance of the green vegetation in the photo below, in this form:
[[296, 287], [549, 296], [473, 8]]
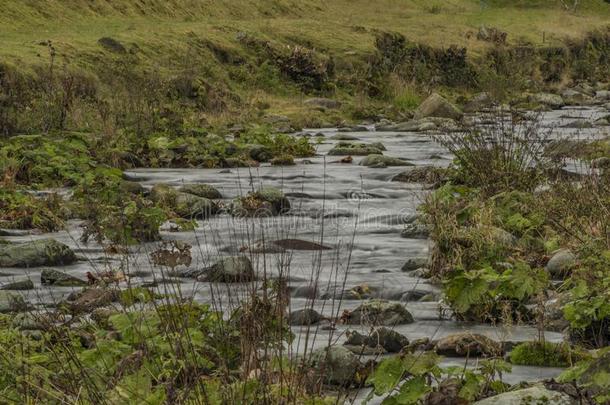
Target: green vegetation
[[544, 354]]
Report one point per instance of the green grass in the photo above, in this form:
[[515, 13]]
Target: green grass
[[338, 26]]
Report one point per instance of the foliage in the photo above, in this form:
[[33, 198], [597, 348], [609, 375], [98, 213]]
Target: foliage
[[45, 161], [411, 378], [544, 354], [113, 214], [20, 210]]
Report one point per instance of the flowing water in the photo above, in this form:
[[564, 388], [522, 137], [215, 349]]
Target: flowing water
[[357, 211]]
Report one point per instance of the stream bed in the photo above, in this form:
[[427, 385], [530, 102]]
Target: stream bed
[[357, 211]]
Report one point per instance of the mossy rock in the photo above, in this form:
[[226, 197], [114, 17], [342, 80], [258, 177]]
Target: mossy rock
[[164, 195], [336, 365], [257, 152], [468, 344], [544, 354], [380, 313], [283, 160], [234, 269], [22, 285], [275, 197], [58, 278], [189, 206], [201, 190], [354, 151], [378, 159], [44, 252], [536, 395]]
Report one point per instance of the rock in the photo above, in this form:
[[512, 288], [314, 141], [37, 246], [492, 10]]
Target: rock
[[275, 197], [602, 95], [596, 377], [268, 201], [379, 312], [164, 195], [201, 190], [344, 137], [44, 252], [437, 106], [12, 302], [260, 153], [354, 150], [376, 159], [500, 236], [322, 102], [537, 394], [306, 291], [561, 263], [101, 315], [414, 263], [479, 102], [420, 125], [234, 269], [19, 285], [390, 340], [354, 128], [239, 162], [601, 163], [336, 365], [190, 206], [304, 317], [574, 97], [28, 321], [58, 278], [468, 344], [415, 231], [548, 99], [283, 160], [131, 187], [298, 244], [87, 300]]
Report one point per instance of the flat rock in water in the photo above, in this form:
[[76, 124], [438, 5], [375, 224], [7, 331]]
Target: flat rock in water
[[537, 394], [59, 279], [298, 244], [468, 344], [376, 159], [304, 317], [44, 252], [19, 285], [234, 269], [379, 313]]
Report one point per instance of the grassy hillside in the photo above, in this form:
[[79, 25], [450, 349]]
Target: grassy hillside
[[339, 26]]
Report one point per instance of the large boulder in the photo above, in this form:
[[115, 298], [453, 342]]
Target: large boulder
[[561, 263], [233, 269], [202, 190], [381, 160], [44, 252], [468, 344], [59, 279], [379, 313], [437, 106], [336, 365], [538, 394]]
